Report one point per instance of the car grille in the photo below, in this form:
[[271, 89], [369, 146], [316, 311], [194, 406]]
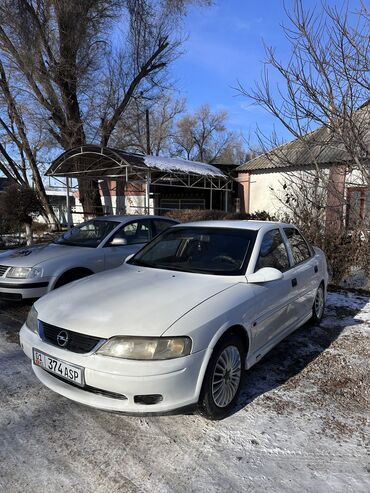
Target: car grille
[[77, 343], [3, 269]]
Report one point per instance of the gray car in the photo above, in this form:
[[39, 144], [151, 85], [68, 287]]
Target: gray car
[[96, 245]]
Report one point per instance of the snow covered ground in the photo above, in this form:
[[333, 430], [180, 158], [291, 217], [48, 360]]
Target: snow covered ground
[[302, 423]]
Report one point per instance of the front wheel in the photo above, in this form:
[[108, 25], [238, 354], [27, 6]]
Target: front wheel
[[223, 378], [318, 305]]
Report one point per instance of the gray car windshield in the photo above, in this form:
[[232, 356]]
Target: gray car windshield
[[89, 234], [220, 251]]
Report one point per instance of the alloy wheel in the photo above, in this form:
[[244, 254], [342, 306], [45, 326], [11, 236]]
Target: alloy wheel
[[226, 376]]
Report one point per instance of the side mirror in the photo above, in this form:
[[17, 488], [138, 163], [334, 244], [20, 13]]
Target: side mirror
[[128, 258], [266, 274], [118, 242]]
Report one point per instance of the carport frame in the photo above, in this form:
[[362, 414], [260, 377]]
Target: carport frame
[[98, 162]]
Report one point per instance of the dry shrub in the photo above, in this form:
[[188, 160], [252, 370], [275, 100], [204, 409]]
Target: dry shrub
[[347, 252], [189, 215]]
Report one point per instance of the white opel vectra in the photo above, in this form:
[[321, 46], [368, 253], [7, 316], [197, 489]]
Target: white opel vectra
[[180, 321]]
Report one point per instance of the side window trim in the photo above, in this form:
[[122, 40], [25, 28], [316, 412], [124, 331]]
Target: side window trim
[[288, 247]]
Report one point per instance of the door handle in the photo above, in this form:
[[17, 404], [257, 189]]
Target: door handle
[[294, 282], [316, 269]]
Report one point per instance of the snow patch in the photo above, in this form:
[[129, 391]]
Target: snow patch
[[183, 166]]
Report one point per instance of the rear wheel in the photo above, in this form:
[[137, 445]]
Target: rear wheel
[[318, 305], [223, 378]]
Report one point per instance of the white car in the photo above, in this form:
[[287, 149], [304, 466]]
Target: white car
[[93, 246], [180, 321]]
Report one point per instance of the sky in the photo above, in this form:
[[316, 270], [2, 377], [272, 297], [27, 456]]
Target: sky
[[225, 45]]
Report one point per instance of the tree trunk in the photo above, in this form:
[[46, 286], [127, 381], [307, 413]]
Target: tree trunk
[[90, 198], [28, 228]]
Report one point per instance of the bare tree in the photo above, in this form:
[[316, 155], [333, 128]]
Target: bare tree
[[203, 136], [322, 99], [325, 87], [131, 132], [15, 132], [61, 58]]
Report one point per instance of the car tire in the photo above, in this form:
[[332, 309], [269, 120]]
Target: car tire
[[223, 378], [318, 306]]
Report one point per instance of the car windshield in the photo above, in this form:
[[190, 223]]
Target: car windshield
[[89, 234], [221, 251]]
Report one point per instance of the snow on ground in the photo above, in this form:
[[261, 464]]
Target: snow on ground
[[301, 424]]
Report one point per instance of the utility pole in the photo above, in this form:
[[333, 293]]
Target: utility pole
[[148, 151]]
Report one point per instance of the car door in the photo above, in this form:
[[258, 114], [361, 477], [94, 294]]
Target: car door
[[305, 271], [126, 241], [273, 300]]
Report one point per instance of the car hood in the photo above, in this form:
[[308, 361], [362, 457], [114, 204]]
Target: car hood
[[128, 300], [35, 254]]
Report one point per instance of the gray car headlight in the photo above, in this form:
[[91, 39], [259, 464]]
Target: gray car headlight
[[19, 272], [25, 272], [146, 348], [31, 321]]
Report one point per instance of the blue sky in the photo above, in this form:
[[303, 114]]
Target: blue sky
[[225, 44]]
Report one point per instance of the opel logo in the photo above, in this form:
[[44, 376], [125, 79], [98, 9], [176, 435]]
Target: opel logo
[[62, 338]]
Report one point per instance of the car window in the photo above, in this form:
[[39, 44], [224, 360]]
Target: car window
[[273, 252], [300, 249], [89, 234], [161, 225], [134, 232], [219, 251]]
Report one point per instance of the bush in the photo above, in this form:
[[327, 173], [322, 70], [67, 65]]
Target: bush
[[189, 215], [345, 250], [19, 205]]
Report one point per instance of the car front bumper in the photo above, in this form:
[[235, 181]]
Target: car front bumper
[[18, 289], [178, 381]]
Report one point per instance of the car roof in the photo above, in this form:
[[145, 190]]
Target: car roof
[[129, 217], [237, 224]]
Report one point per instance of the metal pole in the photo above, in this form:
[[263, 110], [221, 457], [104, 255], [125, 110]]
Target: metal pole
[[68, 204], [210, 198], [148, 151], [226, 199], [147, 192]]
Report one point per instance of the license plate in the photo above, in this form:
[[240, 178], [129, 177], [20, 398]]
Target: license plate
[[64, 370]]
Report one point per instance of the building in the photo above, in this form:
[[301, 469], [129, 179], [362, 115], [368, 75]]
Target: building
[[318, 162]]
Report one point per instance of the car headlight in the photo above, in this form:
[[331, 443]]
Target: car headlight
[[31, 321], [146, 348], [25, 272], [19, 272]]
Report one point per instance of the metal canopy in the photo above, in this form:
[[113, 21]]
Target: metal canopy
[[92, 161]]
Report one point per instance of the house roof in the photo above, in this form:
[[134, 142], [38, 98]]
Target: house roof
[[321, 147]]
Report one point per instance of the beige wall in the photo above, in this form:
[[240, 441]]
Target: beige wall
[[261, 197], [265, 188]]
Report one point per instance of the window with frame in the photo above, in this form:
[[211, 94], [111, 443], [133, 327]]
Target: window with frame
[[134, 233], [358, 207], [300, 249], [273, 252]]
